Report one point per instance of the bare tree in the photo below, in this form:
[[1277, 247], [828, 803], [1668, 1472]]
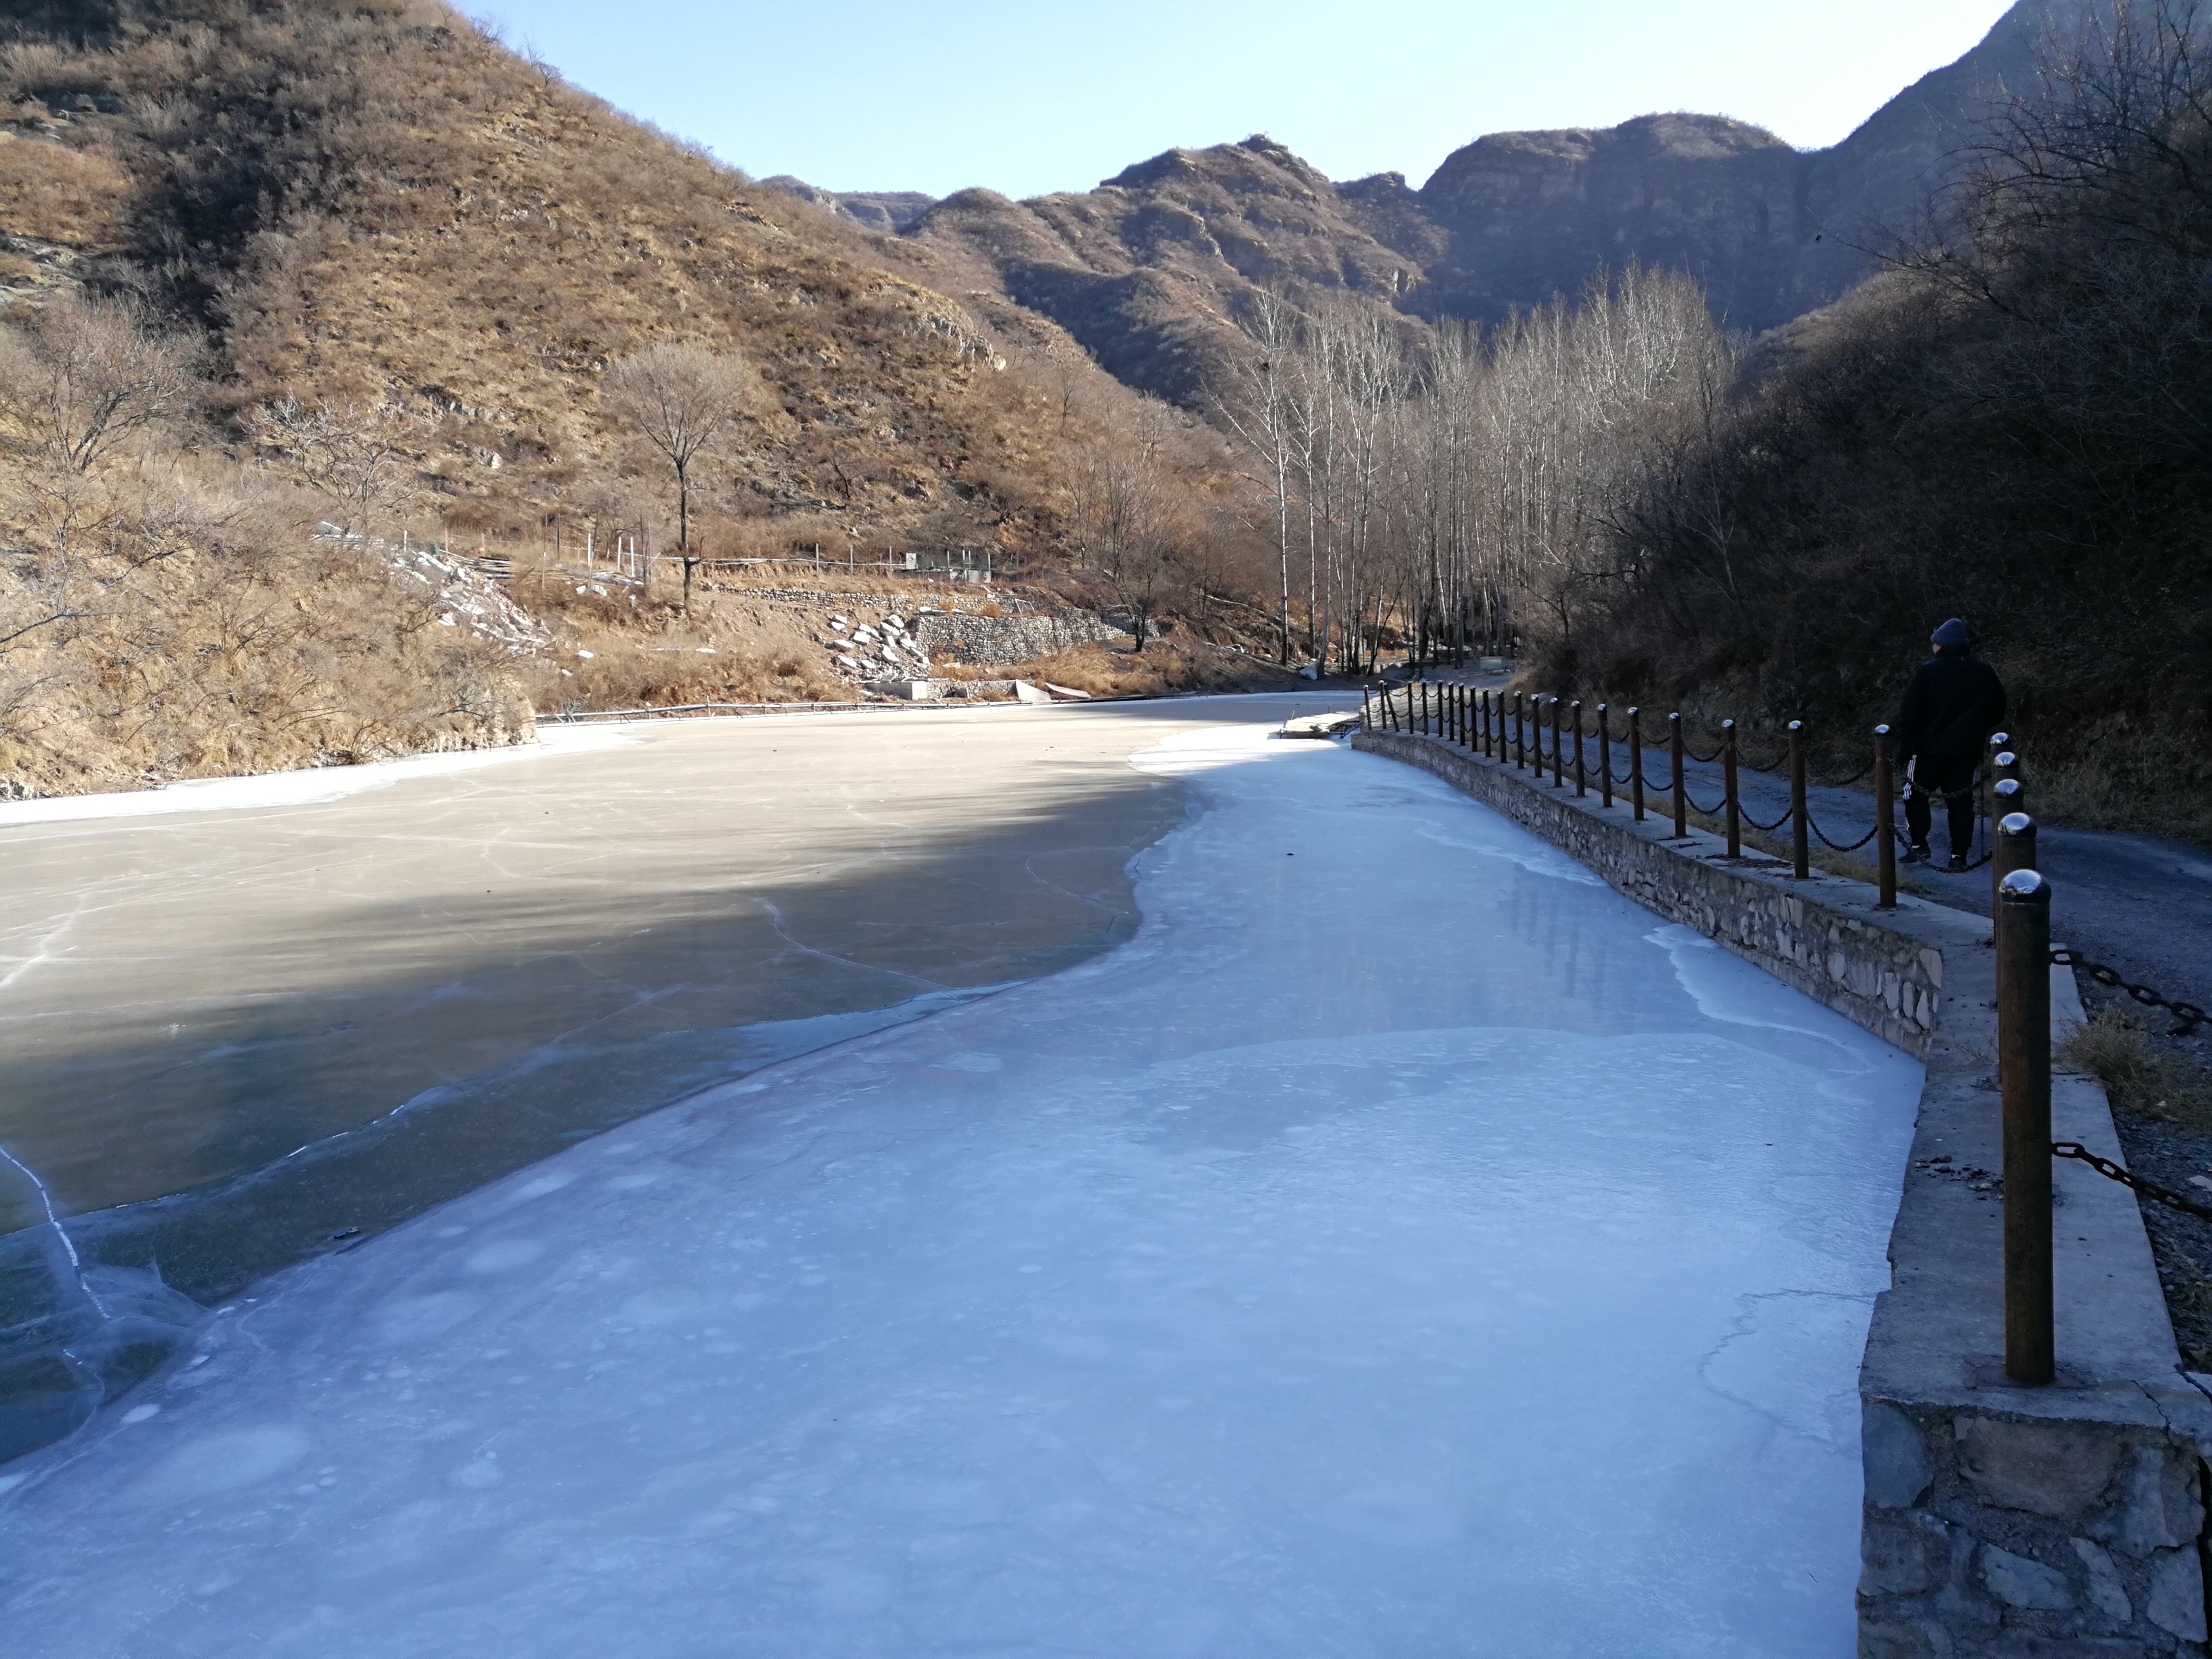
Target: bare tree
[[355, 456], [681, 398], [89, 374], [1126, 517], [1260, 407]]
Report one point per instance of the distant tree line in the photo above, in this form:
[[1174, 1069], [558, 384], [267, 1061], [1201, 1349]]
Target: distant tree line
[[2012, 421], [1457, 489]]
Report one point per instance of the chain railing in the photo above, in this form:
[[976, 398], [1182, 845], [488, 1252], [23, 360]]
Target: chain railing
[[1513, 726], [2187, 1016], [2128, 1178]]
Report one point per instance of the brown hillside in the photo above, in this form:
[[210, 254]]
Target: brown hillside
[[377, 203], [369, 225], [1150, 270], [1144, 269]]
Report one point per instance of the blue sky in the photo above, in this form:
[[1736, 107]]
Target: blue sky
[[858, 95]]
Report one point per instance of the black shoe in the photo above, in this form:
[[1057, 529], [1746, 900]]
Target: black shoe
[[1957, 866], [1916, 854]]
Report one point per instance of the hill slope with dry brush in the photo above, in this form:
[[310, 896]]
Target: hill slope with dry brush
[[398, 262]]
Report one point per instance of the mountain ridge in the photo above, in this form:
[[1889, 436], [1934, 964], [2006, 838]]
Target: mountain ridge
[[1149, 269]]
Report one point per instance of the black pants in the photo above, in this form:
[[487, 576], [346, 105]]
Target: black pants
[[1951, 776]]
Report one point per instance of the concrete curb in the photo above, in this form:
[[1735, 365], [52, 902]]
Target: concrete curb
[[1997, 1521]]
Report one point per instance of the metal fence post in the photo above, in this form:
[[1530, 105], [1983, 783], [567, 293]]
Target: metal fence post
[[1801, 841], [1483, 701], [1989, 773], [1520, 736], [1604, 756], [2023, 953], [1885, 812], [1581, 784], [1681, 789], [2012, 844], [2008, 795], [1730, 811], [2008, 771], [2004, 768], [1636, 762], [1559, 751]]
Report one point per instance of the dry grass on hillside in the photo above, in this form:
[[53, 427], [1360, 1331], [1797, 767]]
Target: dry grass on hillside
[[380, 233], [1161, 669], [379, 204], [614, 654], [54, 194], [173, 623]]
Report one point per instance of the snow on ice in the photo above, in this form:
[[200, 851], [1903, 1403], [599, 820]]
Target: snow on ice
[[1404, 1247]]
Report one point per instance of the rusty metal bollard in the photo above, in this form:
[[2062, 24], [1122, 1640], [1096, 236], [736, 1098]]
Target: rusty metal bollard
[[2023, 953], [1682, 788], [1604, 754], [1636, 762], [1884, 813], [1731, 809], [1801, 843], [2012, 845], [2010, 771]]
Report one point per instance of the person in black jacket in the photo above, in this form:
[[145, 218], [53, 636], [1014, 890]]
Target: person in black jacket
[[1951, 706]]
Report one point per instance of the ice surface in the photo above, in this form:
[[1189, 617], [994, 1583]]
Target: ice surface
[[1400, 1248], [305, 787]]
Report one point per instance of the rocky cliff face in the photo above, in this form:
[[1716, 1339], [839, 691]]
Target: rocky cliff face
[[1149, 270], [1529, 214], [888, 212], [1771, 231]]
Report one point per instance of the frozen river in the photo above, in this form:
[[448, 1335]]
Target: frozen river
[[1405, 1245]]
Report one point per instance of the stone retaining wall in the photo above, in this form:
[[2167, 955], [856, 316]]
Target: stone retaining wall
[[1815, 935], [965, 637], [1997, 1521]]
